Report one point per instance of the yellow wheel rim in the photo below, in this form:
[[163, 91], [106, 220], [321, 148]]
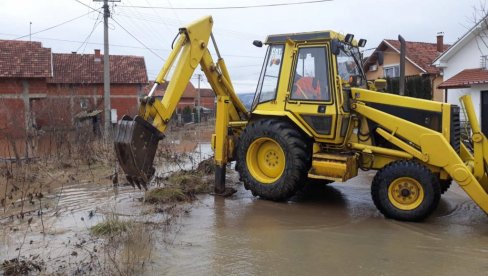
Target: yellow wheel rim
[[405, 193], [265, 160]]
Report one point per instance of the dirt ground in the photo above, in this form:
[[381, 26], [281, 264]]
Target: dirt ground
[[78, 223]]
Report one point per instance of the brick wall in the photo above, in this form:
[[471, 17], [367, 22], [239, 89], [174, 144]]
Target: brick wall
[[53, 106], [208, 102]]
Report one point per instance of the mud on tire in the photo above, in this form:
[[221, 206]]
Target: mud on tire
[[296, 158], [394, 202]]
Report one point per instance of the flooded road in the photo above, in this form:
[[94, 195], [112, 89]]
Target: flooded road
[[334, 229], [337, 232]]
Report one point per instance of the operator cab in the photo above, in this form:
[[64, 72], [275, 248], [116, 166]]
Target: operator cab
[[304, 75]]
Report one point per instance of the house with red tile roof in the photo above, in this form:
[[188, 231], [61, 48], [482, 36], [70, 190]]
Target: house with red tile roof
[[385, 61], [190, 96], [188, 99], [207, 98], [44, 90], [465, 69]]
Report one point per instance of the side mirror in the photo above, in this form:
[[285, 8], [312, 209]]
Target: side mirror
[[362, 42], [335, 47], [349, 38], [257, 43]]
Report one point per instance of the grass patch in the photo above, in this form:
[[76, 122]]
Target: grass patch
[[190, 182], [166, 195], [184, 185], [111, 226], [18, 266]]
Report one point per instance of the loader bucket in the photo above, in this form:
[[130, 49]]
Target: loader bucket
[[136, 142]]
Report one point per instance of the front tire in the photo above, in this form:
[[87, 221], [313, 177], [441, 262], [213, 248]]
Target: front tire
[[273, 159], [405, 190]]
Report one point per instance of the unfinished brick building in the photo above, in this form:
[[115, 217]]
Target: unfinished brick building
[[44, 90]]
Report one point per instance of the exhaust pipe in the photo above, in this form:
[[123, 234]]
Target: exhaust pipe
[[402, 65]]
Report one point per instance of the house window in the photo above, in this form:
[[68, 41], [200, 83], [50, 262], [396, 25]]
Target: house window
[[391, 71], [484, 62], [83, 104]]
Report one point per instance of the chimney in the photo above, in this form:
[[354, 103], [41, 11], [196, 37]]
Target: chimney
[[440, 42], [98, 57]]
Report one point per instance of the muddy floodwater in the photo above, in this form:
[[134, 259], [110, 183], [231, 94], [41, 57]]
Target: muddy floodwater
[[334, 230]]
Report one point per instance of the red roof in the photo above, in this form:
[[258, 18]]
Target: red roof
[[420, 53], [466, 78], [77, 68], [207, 92], [190, 91], [24, 59]]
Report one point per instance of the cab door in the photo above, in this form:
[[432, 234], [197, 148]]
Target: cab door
[[310, 93]]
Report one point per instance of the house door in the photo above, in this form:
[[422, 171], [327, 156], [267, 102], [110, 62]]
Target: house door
[[484, 112]]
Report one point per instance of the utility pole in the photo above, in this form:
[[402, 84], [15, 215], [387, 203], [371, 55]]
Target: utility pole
[[106, 67], [198, 99]]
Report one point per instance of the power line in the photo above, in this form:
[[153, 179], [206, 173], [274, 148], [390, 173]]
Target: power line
[[57, 25], [121, 45], [87, 5], [228, 7], [85, 42], [147, 48], [151, 35]]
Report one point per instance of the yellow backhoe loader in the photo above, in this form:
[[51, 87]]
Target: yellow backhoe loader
[[314, 116]]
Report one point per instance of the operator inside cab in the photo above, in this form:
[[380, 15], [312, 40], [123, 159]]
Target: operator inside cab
[[310, 80], [348, 70]]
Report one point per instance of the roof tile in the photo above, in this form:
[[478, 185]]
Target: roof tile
[[24, 59], [466, 78], [423, 54], [78, 69]]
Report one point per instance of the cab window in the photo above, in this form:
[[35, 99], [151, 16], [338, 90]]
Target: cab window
[[268, 81], [310, 81]]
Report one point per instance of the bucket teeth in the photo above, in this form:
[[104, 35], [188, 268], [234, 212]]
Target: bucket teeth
[[136, 142]]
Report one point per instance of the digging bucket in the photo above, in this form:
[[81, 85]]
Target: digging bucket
[[136, 142]]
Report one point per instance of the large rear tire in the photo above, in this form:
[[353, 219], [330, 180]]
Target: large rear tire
[[273, 159], [405, 190], [445, 185]]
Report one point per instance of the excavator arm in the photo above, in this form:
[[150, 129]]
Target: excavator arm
[[136, 139]]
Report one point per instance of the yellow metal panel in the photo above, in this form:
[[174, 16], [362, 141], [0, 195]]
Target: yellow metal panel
[[221, 125], [334, 167], [446, 121], [385, 98], [283, 114]]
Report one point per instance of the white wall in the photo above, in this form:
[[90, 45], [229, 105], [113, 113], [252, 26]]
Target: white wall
[[453, 96], [467, 57]]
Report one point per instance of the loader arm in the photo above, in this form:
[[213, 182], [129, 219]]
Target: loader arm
[[136, 139], [429, 146]]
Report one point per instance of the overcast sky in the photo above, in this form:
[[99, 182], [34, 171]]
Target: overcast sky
[[234, 29]]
